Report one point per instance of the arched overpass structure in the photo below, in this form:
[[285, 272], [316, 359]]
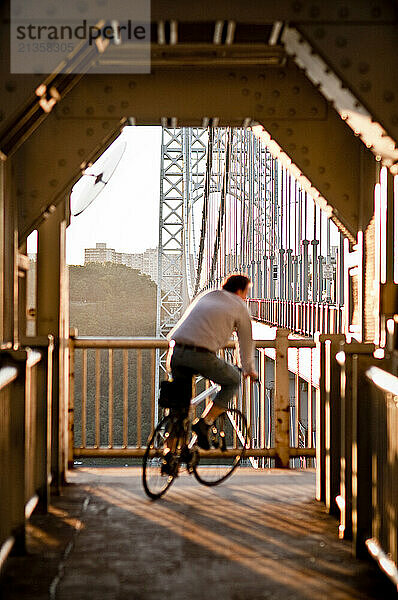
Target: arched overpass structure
[[318, 84]]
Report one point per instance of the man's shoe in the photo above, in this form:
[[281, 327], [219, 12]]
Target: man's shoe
[[202, 431], [169, 465]]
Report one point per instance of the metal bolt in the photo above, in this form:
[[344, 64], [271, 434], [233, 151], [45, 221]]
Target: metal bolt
[[363, 68], [388, 96], [341, 42], [365, 86], [345, 62], [319, 33], [10, 86]]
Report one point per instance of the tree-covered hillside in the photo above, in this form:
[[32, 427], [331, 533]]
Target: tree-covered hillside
[[109, 299], [112, 300]]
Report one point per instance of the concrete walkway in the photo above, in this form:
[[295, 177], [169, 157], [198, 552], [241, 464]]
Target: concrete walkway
[[258, 536]]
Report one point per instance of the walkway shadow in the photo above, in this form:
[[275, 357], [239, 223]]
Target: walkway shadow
[[258, 536]]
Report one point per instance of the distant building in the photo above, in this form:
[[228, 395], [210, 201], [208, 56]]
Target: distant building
[[146, 262]]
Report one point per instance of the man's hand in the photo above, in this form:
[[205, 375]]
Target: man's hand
[[252, 374]]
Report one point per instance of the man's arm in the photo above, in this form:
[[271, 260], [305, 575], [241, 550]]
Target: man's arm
[[246, 345]]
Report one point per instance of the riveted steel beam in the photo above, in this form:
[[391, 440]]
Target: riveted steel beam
[[258, 11], [282, 99], [356, 67]]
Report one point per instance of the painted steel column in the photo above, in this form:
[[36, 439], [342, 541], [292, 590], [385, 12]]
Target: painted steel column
[[53, 318], [281, 274], [281, 400], [314, 265], [9, 258], [288, 276], [304, 271], [320, 278]]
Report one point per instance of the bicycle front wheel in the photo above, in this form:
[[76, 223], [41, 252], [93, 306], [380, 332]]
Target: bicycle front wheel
[[229, 437], [156, 476]]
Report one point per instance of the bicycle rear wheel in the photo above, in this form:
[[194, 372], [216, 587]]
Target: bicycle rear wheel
[[157, 478], [228, 433]]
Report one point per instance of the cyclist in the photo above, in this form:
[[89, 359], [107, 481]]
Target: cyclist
[[205, 328]]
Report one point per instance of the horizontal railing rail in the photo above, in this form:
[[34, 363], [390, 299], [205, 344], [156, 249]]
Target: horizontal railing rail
[[306, 318], [112, 400]]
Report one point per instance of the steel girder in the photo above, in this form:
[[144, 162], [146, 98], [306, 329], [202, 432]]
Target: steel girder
[[263, 11], [361, 59], [282, 99]]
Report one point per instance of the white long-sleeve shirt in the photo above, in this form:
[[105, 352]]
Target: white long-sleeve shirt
[[210, 321]]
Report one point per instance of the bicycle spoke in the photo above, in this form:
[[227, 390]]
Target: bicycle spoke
[[228, 432]]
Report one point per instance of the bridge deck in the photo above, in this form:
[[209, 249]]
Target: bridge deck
[[259, 536]]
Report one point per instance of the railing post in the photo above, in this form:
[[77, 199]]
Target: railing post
[[355, 477], [71, 403], [328, 422], [18, 453], [282, 403], [44, 399]]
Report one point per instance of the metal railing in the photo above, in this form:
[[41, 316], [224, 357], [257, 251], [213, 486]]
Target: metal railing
[[112, 409], [8, 376], [305, 318], [25, 438], [383, 542]]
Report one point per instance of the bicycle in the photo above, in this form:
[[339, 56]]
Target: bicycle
[[173, 445]]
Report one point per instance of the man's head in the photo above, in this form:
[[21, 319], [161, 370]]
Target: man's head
[[237, 284]]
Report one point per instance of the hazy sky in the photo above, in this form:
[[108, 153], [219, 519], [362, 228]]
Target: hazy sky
[[125, 214]]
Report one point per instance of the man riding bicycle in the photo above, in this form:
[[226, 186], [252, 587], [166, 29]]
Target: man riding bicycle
[[205, 328]]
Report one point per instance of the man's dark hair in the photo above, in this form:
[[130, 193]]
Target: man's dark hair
[[233, 283]]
